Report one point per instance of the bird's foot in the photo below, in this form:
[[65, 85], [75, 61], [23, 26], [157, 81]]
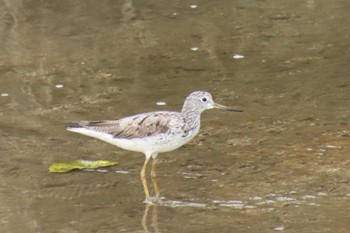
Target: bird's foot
[[153, 200]]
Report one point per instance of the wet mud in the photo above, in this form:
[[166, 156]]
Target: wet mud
[[281, 165]]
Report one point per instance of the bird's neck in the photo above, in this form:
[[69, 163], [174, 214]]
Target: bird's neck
[[192, 116]]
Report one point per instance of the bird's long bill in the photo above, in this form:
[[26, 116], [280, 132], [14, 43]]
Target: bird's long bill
[[219, 106]]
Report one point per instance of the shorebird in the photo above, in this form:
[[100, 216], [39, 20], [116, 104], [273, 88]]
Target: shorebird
[[153, 132]]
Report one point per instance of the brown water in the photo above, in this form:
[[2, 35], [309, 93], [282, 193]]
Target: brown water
[[282, 165]]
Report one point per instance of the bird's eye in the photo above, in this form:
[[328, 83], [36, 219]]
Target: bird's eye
[[204, 99]]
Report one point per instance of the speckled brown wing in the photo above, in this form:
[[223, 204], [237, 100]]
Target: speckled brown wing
[[138, 126]]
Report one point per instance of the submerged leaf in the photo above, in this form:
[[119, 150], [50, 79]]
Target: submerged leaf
[[80, 164]]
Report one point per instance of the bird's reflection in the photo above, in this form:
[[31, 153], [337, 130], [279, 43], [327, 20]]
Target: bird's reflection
[[154, 218], [154, 206]]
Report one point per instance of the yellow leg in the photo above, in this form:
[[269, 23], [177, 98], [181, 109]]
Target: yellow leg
[[143, 179], [154, 177]]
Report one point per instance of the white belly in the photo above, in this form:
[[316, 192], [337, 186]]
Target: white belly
[[147, 145]]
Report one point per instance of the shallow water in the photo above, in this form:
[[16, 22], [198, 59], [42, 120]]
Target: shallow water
[[282, 165]]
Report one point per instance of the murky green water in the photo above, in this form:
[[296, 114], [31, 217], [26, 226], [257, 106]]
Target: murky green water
[[282, 165]]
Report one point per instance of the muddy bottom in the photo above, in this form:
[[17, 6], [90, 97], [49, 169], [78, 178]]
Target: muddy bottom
[[281, 165]]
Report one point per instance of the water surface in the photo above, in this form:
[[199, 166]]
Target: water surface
[[282, 165]]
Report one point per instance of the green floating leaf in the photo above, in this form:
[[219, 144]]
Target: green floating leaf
[[80, 164]]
